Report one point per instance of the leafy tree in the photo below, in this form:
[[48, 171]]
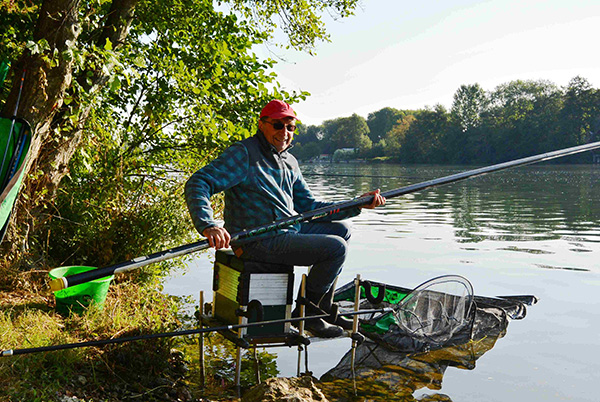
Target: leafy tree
[[327, 131], [395, 137], [512, 122], [141, 91], [469, 103], [376, 151], [299, 19], [516, 119], [306, 152], [154, 133], [341, 155], [352, 132], [329, 127], [580, 110], [312, 150], [307, 134], [423, 140], [382, 121], [465, 142]]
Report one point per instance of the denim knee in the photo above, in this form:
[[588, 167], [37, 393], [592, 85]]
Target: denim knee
[[343, 230], [342, 249], [336, 228]]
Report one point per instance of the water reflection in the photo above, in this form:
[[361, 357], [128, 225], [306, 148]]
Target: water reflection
[[382, 375], [531, 205], [413, 350], [563, 268]]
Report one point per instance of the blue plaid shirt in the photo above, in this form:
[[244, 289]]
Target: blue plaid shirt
[[261, 185]]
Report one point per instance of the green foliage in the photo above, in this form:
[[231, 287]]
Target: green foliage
[[376, 151], [382, 121], [16, 19], [394, 138], [306, 152], [307, 134], [423, 140], [580, 113], [348, 132], [188, 85], [470, 101], [344, 155], [182, 85], [300, 19], [516, 119], [329, 130], [168, 95], [151, 368]]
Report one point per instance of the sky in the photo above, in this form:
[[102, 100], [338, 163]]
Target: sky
[[414, 54]]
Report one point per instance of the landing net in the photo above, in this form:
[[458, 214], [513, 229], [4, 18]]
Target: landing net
[[428, 316], [436, 310]]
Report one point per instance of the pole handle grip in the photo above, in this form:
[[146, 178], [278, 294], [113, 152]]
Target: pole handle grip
[[59, 284]]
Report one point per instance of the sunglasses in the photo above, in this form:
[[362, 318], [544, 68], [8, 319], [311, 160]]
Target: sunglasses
[[279, 125]]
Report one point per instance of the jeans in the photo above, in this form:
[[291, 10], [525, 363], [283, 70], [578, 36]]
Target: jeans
[[322, 245]]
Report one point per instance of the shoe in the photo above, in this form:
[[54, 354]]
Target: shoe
[[317, 326], [326, 305]]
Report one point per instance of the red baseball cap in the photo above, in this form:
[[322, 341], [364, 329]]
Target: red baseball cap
[[277, 109]]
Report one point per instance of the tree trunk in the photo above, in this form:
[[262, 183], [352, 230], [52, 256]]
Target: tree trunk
[[41, 103], [43, 93]]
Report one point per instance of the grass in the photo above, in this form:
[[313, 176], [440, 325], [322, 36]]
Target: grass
[[29, 321], [158, 369]]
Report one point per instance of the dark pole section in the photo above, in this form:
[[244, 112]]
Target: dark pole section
[[61, 283], [103, 342]]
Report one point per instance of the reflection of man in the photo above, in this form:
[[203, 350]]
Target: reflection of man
[[262, 183]]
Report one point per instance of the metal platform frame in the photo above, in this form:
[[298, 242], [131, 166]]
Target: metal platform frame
[[291, 339], [298, 339]]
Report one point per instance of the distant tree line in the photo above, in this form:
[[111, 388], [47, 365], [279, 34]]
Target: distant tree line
[[516, 119]]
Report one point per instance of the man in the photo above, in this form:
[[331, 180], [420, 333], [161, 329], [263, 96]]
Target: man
[[262, 183]]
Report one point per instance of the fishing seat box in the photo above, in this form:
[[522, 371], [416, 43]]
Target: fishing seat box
[[237, 282]]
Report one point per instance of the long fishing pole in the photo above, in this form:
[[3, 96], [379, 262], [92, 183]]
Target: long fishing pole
[[65, 282], [102, 342], [355, 175]]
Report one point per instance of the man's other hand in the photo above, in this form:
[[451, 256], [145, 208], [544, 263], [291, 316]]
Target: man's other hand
[[378, 200], [217, 237]]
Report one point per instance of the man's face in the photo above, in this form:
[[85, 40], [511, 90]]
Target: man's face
[[280, 138]]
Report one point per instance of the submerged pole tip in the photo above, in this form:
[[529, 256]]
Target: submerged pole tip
[[59, 284]]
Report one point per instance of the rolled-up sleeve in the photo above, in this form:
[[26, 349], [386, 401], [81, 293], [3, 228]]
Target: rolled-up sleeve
[[223, 173]]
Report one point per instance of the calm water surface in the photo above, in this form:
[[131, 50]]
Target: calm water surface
[[530, 230]]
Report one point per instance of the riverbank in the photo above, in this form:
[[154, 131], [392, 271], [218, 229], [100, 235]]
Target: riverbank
[[150, 370], [156, 369]]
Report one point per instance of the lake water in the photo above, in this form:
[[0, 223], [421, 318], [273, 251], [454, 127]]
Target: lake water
[[529, 230]]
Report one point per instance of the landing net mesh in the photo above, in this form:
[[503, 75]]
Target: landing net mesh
[[427, 316], [436, 310]]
